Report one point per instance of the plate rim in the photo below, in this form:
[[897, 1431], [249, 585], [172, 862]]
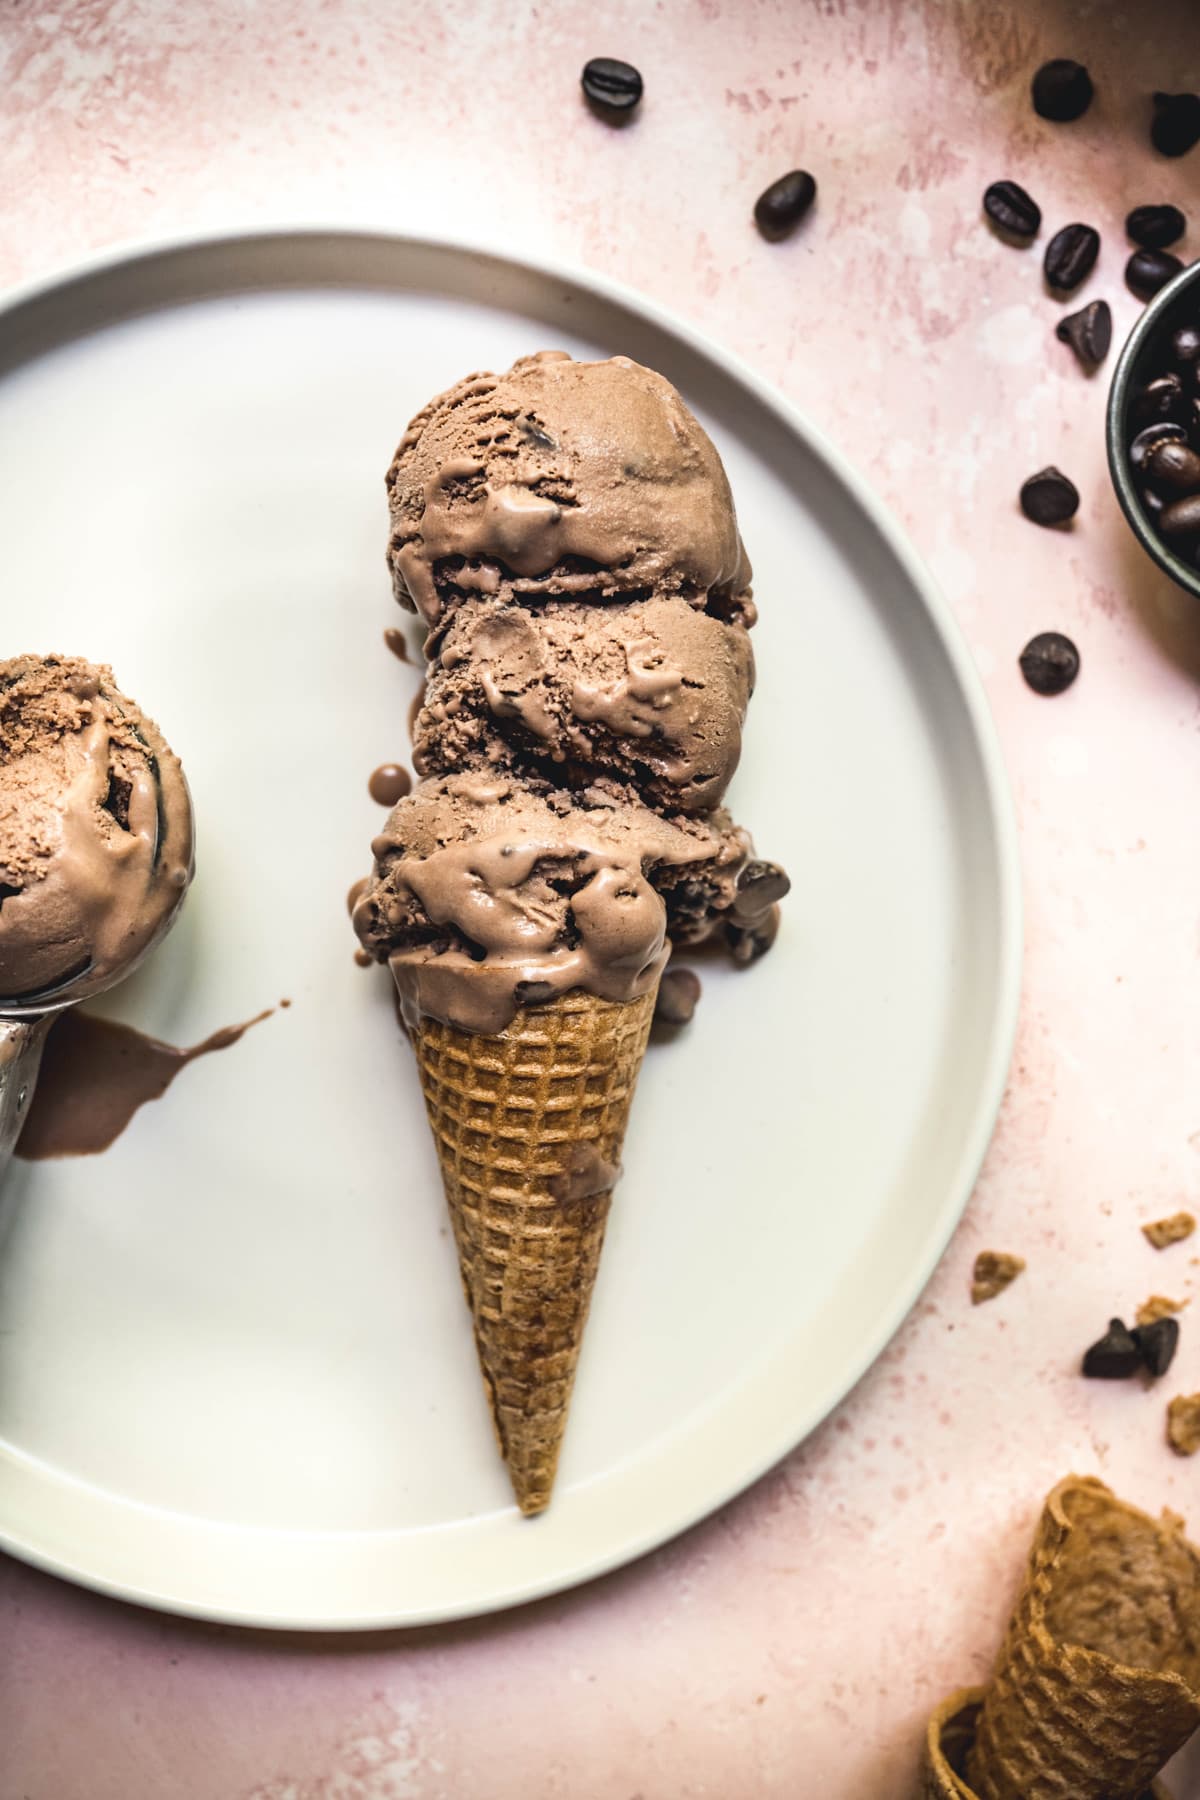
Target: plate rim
[[1002, 830]]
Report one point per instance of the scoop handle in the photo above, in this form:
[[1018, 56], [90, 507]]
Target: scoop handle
[[21, 1042]]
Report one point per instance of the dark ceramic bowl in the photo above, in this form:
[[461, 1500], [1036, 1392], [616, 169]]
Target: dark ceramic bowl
[[1144, 356]]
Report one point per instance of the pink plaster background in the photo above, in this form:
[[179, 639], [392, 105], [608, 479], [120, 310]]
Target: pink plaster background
[[791, 1646]]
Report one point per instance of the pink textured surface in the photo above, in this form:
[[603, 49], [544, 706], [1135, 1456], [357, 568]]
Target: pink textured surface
[[793, 1644]]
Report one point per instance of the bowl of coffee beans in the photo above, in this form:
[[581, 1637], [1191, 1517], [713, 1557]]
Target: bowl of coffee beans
[[1154, 429]]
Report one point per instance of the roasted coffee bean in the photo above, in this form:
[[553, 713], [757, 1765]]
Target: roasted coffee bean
[[1175, 467], [1185, 347], [1148, 270], [780, 208], [1181, 519], [678, 993], [1049, 498], [1162, 398], [1165, 431], [1176, 125], [1062, 90], [613, 86], [1157, 1344], [1049, 662], [1115, 1356], [1071, 256], [747, 943], [1012, 209], [1089, 332], [1152, 502], [1154, 227]]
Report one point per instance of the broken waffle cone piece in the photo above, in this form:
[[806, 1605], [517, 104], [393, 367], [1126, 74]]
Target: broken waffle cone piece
[[1098, 1681], [948, 1740], [529, 1126]]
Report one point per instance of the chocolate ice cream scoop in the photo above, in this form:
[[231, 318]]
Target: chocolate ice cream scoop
[[651, 692], [563, 478], [488, 895], [95, 850]]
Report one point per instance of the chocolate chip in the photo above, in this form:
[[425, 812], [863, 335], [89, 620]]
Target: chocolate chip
[[759, 885], [1071, 256], [1165, 431], [1089, 332], [1174, 466], [1176, 125], [678, 993], [1162, 398], [1049, 663], [1049, 498], [780, 208], [1154, 227], [1148, 270], [748, 942], [1157, 1344], [1181, 519], [533, 993], [1012, 209], [1115, 1356], [1185, 347], [612, 85], [1062, 90]]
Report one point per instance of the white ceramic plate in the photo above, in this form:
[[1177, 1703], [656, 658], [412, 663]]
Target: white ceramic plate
[[236, 1374]]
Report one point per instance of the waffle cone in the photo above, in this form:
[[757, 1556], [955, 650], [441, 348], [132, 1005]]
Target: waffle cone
[[1098, 1682], [529, 1126], [948, 1740]]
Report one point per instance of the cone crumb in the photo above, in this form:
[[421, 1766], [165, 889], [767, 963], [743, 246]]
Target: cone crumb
[[1183, 1424], [1158, 1307], [994, 1271], [1164, 1232]]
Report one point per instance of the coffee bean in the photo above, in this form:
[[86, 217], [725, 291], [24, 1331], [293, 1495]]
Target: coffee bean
[[746, 943], [678, 993], [1048, 498], [1154, 227], [1157, 1344], [1062, 90], [1011, 208], [1148, 270], [1176, 125], [1175, 467], [1049, 662], [1165, 431], [1071, 256], [1162, 398], [780, 208], [1115, 1356], [1182, 518], [613, 86], [1089, 332], [1152, 502]]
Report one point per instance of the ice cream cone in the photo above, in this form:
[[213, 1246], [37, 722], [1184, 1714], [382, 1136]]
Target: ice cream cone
[[1098, 1682], [948, 1740], [529, 1126]]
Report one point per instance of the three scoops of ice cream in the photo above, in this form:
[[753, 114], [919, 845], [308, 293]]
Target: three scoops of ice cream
[[567, 535]]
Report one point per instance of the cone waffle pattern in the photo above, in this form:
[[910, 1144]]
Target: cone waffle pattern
[[948, 1740], [519, 1119], [1097, 1681]]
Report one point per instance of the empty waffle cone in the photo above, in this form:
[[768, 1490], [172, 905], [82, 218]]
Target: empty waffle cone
[[1098, 1681], [529, 1126], [948, 1740]]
